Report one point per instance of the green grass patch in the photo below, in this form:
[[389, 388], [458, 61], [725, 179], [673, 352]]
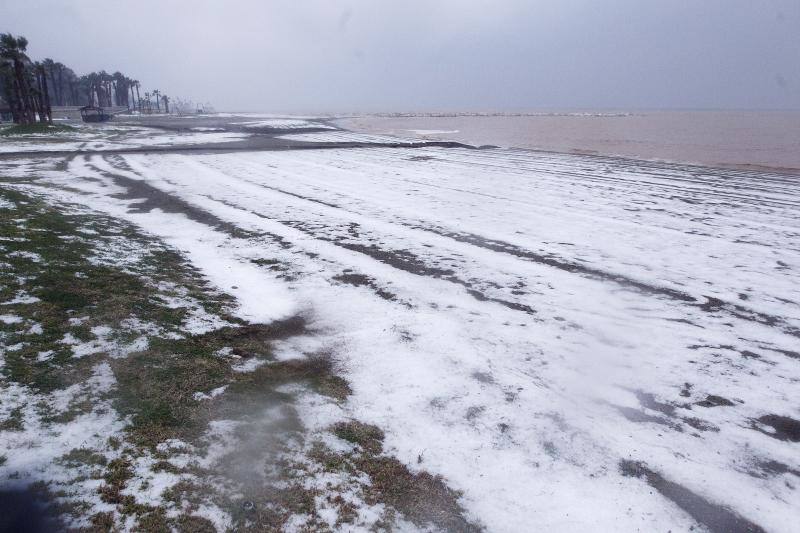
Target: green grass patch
[[78, 289], [157, 386], [83, 456], [420, 497], [369, 437], [51, 259], [117, 474], [14, 421]]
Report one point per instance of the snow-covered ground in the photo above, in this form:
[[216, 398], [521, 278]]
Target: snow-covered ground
[[576, 343]]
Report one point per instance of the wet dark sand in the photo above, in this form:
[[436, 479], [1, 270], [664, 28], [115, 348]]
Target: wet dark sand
[[261, 138]]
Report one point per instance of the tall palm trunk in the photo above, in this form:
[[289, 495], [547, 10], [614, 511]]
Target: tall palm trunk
[[41, 106], [10, 90], [60, 96], [48, 111], [16, 111], [17, 107], [24, 92], [51, 72]]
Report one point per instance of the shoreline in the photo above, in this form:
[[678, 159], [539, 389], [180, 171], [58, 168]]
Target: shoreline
[[389, 125], [748, 167]]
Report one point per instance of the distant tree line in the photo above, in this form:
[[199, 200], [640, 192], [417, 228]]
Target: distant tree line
[[30, 88]]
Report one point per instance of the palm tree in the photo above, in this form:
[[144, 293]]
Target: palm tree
[[7, 88], [88, 83], [12, 51], [50, 70], [129, 93], [68, 85], [165, 98], [104, 82], [156, 92], [138, 98], [45, 113], [74, 88], [60, 68], [121, 88]]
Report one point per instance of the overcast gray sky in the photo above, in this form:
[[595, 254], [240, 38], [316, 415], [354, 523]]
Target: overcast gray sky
[[408, 55]]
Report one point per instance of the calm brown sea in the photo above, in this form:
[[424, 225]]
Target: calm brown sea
[[716, 138]]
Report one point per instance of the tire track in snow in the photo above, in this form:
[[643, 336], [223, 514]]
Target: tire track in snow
[[154, 198], [402, 260]]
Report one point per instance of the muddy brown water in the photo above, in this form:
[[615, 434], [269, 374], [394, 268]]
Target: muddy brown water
[[743, 139]]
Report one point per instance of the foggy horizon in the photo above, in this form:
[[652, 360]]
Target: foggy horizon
[[360, 56]]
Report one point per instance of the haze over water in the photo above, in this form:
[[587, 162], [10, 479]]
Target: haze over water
[[715, 138]]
